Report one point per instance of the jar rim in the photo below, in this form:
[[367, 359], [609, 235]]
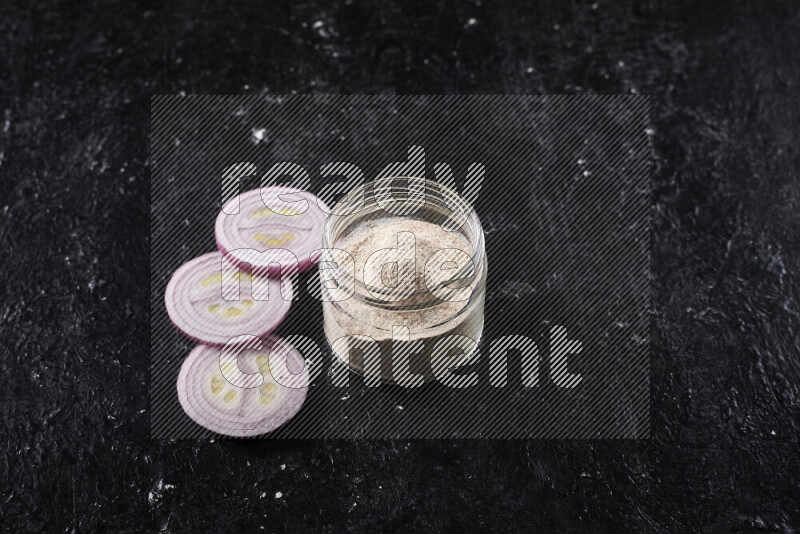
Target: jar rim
[[459, 210]]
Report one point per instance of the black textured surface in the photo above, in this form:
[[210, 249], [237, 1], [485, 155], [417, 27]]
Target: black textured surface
[[74, 204]]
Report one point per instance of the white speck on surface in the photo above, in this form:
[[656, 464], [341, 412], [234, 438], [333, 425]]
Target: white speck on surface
[[556, 27], [283, 467], [399, 407], [471, 22], [772, 432], [278, 494], [529, 70], [621, 64], [595, 5], [586, 173], [581, 161], [258, 135], [322, 31], [155, 494], [650, 131], [263, 494]]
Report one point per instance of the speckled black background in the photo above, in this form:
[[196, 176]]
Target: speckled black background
[[75, 86]]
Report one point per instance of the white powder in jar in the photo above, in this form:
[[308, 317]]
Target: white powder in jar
[[428, 319]]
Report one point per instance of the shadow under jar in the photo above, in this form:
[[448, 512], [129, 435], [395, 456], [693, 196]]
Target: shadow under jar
[[403, 275]]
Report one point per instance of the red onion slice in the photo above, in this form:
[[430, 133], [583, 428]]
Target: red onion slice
[[195, 305], [213, 403], [296, 224]]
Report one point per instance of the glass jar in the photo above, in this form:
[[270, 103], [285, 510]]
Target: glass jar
[[402, 329]]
